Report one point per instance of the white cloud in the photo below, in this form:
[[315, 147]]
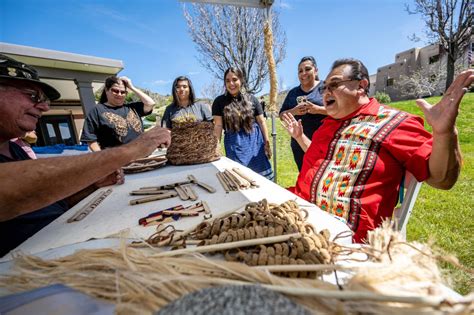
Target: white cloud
[[285, 5], [160, 82]]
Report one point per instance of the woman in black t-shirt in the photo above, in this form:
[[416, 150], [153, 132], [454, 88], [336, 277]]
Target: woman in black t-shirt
[[111, 122], [240, 115]]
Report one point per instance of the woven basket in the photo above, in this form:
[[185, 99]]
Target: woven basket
[[144, 165], [193, 143]]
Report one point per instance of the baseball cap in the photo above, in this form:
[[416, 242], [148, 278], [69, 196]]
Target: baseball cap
[[15, 70]]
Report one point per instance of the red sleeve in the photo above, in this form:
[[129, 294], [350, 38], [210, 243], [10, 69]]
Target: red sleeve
[[411, 144]]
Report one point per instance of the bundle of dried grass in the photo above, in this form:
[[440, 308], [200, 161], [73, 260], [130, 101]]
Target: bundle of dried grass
[[144, 280]]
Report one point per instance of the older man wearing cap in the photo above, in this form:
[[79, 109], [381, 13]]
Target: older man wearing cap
[[35, 192], [355, 164]]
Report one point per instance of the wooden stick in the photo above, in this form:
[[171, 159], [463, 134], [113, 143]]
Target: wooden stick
[[167, 186], [232, 185], [148, 192], [291, 268], [153, 198], [190, 192], [89, 207], [223, 183], [230, 245], [181, 193], [231, 178], [241, 174], [242, 181]]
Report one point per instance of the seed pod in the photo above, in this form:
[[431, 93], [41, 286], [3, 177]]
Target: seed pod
[[233, 234], [259, 231], [271, 251], [307, 243], [279, 230], [234, 221], [222, 237], [299, 248], [254, 261], [240, 235], [216, 227], [325, 254], [278, 249], [271, 260], [293, 251], [271, 231], [247, 235], [322, 239], [286, 249], [325, 233], [316, 241]]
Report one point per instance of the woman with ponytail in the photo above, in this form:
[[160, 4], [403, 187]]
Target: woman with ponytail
[[240, 116]]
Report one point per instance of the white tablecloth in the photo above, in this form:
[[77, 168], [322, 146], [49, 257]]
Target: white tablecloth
[[114, 214]]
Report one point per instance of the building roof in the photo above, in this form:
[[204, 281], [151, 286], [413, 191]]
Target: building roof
[[60, 69]]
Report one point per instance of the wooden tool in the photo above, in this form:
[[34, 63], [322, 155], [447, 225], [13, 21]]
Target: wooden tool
[[148, 192], [170, 194], [181, 193], [223, 182], [89, 207], [207, 187], [168, 186], [207, 210], [241, 174], [190, 192]]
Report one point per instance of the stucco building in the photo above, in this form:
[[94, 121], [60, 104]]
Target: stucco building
[[429, 61]]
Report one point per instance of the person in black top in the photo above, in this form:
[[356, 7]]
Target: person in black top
[[112, 122], [240, 116], [184, 108], [305, 103]]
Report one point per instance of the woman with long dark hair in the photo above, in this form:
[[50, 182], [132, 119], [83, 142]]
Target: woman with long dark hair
[[112, 122], [240, 115], [184, 108]]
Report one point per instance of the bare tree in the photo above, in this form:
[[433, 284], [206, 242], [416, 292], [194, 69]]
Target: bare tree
[[212, 90], [229, 36], [448, 22], [419, 84]]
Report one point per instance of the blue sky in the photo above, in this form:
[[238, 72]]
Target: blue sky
[[151, 36]]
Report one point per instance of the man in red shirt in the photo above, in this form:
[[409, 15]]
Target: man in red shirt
[[354, 163]]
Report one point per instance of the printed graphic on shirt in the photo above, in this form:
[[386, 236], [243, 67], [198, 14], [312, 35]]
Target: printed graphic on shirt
[[121, 125], [339, 182]]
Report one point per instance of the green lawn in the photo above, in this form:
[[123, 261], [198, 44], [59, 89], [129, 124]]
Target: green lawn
[[445, 217]]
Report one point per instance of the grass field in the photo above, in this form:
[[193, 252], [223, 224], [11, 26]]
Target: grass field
[[444, 217]]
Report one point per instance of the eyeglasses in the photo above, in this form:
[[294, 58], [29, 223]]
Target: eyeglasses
[[332, 86], [35, 96], [118, 92]]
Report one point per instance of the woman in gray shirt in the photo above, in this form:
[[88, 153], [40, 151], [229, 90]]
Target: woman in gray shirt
[[184, 108]]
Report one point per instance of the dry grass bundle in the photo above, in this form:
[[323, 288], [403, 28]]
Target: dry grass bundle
[[139, 281], [144, 280]]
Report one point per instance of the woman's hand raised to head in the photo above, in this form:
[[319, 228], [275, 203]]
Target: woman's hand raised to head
[[127, 82]]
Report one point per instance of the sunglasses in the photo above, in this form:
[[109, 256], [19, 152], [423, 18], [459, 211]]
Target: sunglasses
[[35, 96], [332, 86], [118, 92]]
